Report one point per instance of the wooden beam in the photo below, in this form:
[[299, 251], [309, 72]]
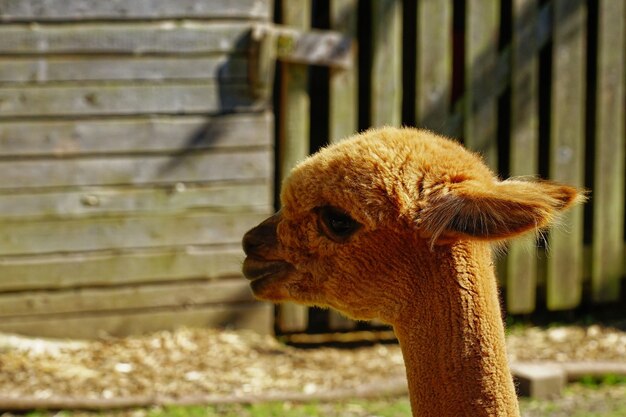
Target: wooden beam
[[132, 170], [521, 284], [567, 147], [119, 267], [174, 198], [433, 77], [138, 135], [294, 131], [314, 47], [177, 294], [80, 10], [481, 51], [125, 99], [256, 316], [124, 232], [142, 38], [386, 81], [343, 106], [52, 69], [608, 191]]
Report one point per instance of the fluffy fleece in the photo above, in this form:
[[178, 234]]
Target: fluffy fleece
[[416, 255]]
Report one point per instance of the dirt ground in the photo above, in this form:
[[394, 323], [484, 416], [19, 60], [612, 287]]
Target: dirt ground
[[192, 365]]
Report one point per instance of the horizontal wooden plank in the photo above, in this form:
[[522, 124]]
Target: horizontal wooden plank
[[30, 237], [256, 316], [103, 68], [134, 135], [127, 298], [125, 99], [168, 37], [37, 10], [120, 267], [253, 164], [312, 47], [94, 201]]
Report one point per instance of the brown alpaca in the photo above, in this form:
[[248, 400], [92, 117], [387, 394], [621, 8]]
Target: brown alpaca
[[397, 224]]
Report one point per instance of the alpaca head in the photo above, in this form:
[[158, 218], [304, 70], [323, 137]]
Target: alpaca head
[[359, 215]]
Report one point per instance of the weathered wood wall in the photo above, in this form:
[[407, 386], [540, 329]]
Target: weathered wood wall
[[134, 151], [133, 157], [537, 87]]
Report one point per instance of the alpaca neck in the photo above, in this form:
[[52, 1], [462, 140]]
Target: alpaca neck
[[452, 338]]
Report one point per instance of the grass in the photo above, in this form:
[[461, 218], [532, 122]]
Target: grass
[[577, 402], [393, 407], [594, 382], [592, 397]]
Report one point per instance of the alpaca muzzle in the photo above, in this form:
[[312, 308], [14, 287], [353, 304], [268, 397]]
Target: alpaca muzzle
[[263, 265]]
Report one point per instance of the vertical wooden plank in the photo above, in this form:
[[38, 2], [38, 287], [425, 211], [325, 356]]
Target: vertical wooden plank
[[386, 82], [294, 132], [434, 64], [565, 257], [608, 191], [481, 48], [522, 258], [343, 115], [344, 106]]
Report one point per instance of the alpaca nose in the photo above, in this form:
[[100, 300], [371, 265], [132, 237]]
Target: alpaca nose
[[261, 240]]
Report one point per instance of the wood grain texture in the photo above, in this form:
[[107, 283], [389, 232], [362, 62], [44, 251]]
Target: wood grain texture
[[124, 232], [125, 99], [174, 198], [256, 316], [386, 81], [128, 170], [481, 48], [119, 267], [567, 147], [343, 105], [133, 157], [521, 271], [125, 38], [608, 192], [71, 69], [262, 61], [138, 135], [293, 133], [433, 77], [42, 10], [126, 298]]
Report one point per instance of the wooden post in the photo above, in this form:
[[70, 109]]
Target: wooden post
[[522, 259], [343, 117], [344, 107], [567, 147], [481, 48], [294, 132], [386, 82], [608, 191], [434, 64]]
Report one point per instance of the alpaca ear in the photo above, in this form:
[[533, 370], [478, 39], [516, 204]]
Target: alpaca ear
[[499, 211]]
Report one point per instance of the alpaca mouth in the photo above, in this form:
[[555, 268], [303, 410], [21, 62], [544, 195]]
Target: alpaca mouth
[[260, 270]]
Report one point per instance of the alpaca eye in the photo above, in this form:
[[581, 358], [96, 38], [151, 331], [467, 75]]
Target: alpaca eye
[[336, 224]]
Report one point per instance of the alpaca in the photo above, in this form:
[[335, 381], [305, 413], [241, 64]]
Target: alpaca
[[398, 225]]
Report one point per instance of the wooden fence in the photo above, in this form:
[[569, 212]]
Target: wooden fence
[[537, 87], [137, 143], [133, 157]]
